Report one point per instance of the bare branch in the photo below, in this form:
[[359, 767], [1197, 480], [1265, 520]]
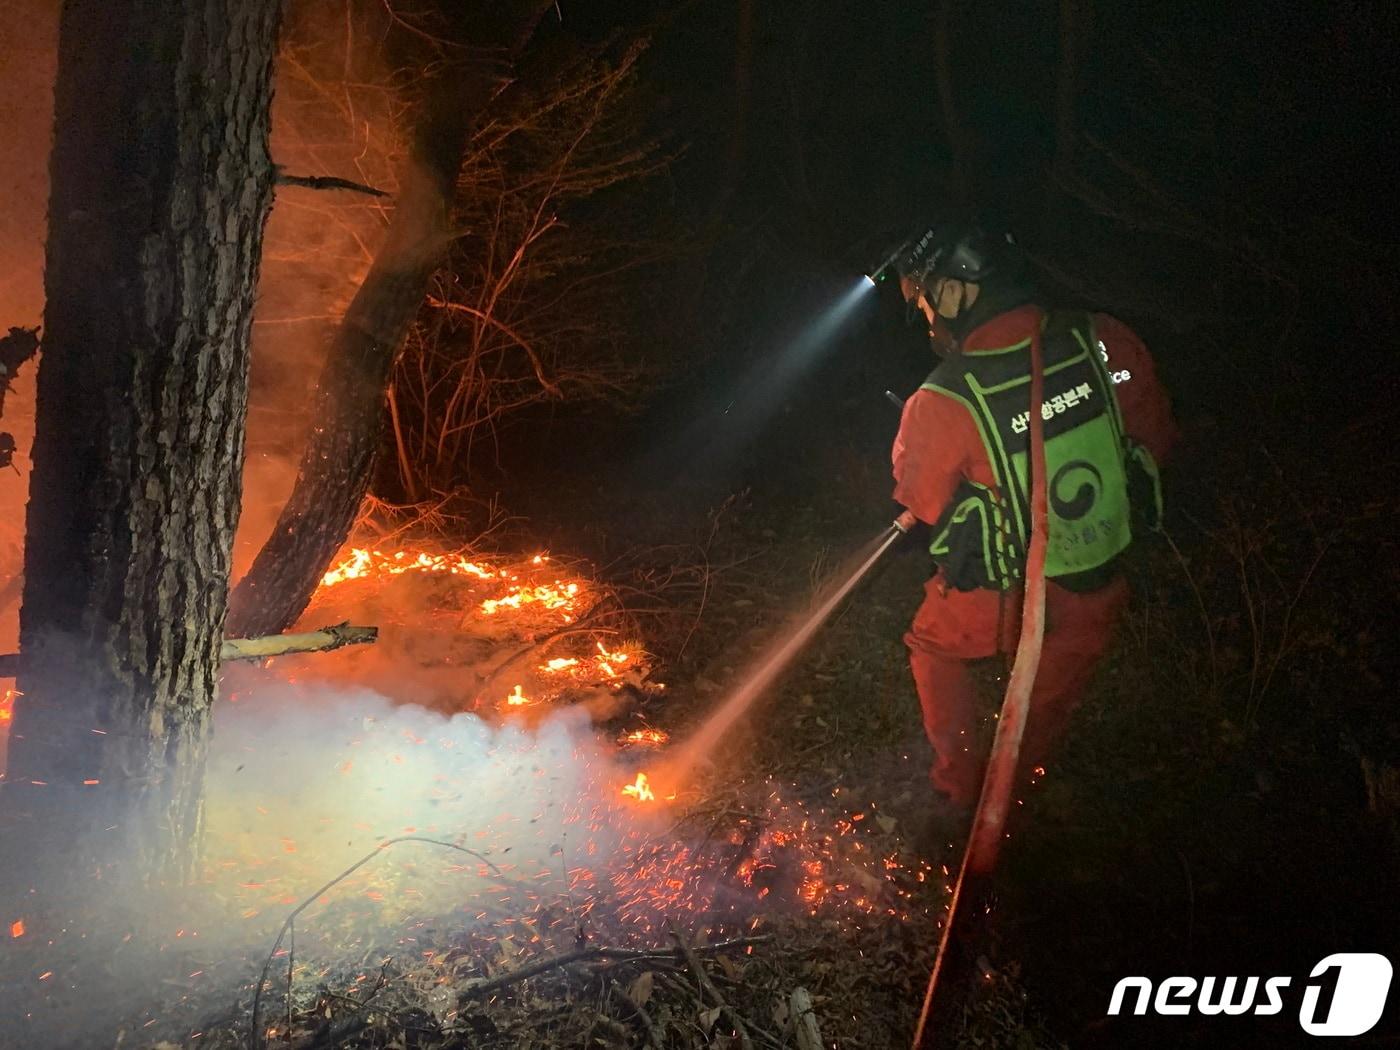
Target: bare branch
[[326, 182]]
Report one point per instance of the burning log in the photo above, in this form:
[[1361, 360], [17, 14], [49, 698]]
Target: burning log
[[319, 641]]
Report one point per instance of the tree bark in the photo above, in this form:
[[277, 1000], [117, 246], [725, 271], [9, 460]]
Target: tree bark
[[349, 403], [161, 185]]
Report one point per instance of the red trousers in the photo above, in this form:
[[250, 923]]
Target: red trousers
[[952, 627]]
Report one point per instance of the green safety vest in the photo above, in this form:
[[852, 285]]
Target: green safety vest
[[982, 538]]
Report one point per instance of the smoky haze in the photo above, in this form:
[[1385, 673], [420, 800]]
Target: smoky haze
[[304, 780]]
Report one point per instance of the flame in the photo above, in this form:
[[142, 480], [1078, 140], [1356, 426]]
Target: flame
[[518, 698], [640, 789], [362, 562], [17, 928], [559, 663], [558, 595], [608, 662], [7, 703]]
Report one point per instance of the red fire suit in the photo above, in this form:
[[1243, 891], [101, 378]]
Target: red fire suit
[[938, 446]]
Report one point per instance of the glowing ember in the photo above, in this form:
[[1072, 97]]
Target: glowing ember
[[17, 928], [559, 663], [644, 738], [558, 595], [607, 662], [640, 789], [361, 563], [518, 698]]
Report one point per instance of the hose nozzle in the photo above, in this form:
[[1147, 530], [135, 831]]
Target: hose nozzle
[[905, 521]]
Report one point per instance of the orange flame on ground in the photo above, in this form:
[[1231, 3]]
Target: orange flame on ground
[[517, 697], [362, 562], [640, 789], [17, 928], [366, 563], [558, 595], [607, 662]]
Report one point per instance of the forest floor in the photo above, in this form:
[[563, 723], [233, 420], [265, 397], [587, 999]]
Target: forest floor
[[1227, 802]]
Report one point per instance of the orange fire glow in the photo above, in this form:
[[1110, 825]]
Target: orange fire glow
[[518, 698], [7, 703], [520, 591], [640, 789], [17, 928], [608, 662], [558, 595], [362, 562], [644, 738]]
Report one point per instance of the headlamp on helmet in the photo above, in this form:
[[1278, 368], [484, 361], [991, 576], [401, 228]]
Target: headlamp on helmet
[[961, 251]]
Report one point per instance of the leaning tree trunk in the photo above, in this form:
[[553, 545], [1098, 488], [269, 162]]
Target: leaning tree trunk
[[349, 404], [161, 184]]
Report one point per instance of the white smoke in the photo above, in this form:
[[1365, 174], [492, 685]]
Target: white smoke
[[305, 780]]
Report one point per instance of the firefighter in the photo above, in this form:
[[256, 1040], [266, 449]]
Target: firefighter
[[960, 466]]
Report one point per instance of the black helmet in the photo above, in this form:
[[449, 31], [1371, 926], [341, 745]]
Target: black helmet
[[964, 251]]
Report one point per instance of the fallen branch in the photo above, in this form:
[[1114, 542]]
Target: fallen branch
[[708, 989], [350, 1026], [326, 182], [319, 641], [804, 1020], [656, 1039], [255, 1036], [579, 626], [534, 969]]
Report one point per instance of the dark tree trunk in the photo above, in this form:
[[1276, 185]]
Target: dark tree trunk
[[349, 403], [161, 184]]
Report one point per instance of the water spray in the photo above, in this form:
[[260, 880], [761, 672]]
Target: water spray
[[689, 754], [782, 652]]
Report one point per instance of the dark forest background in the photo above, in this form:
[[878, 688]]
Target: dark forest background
[[1216, 175], [1221, 183]]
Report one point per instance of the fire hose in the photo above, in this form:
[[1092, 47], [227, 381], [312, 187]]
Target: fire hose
[[989, 820]]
